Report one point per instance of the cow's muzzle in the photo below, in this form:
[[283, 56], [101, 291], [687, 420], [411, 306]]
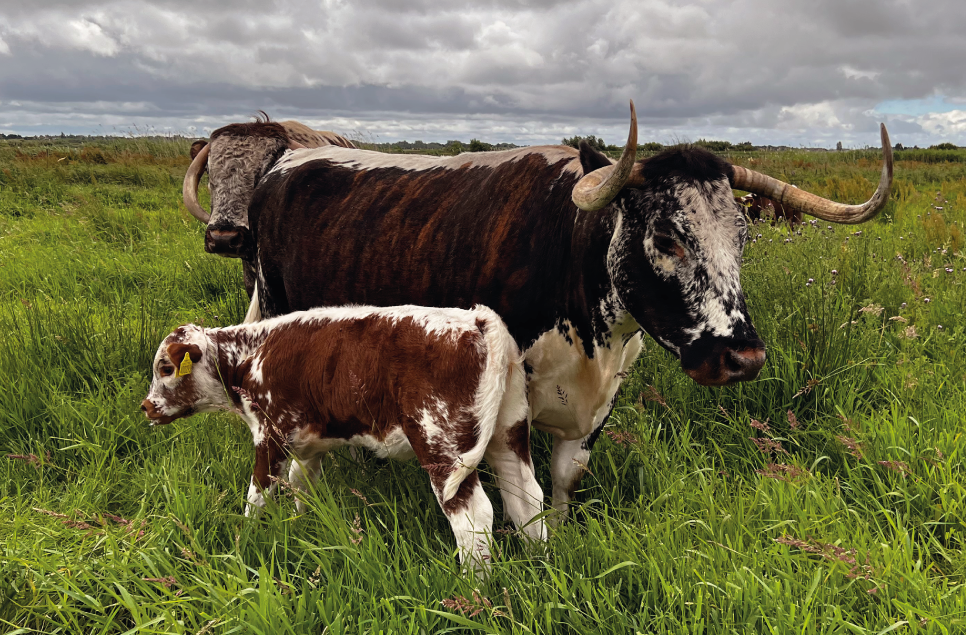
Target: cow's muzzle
[[720, 362], [229, 242]]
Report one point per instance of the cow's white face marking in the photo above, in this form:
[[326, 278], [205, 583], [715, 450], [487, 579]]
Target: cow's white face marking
[[693, 241], [234, 165], [710, 273]]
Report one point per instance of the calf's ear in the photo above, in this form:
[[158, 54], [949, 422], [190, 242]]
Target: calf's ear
[[177, 353]]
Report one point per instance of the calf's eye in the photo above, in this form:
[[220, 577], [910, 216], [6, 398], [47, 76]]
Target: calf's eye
[[166, 370]]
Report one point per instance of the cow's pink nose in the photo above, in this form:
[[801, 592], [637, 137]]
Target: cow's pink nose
[[742, 365]]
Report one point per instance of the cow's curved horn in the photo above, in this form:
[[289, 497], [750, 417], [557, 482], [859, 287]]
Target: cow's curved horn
[[189, 191], [597, 189], [295, 145], [799, 200]]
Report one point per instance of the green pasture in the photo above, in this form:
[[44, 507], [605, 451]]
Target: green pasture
[[828, 496]]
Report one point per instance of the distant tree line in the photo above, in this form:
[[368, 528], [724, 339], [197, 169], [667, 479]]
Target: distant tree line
[[450, 147], [652, 146]]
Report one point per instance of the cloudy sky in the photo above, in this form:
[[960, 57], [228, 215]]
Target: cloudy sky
[[797, 72]]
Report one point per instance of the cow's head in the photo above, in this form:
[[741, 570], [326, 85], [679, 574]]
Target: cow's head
[[236, 158], [185, 378], [675, 253]]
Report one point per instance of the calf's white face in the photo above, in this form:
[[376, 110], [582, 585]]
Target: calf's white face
[[185, 379]]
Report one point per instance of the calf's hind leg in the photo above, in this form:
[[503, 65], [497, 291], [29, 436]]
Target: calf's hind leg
[[509, 457], [468, 509], [470, 515]]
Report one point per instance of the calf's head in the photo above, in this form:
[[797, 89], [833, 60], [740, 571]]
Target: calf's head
[[675, 254], [185, 378], [236, 158]]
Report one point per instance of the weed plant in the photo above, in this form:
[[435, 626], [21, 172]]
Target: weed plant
[[825, 497]]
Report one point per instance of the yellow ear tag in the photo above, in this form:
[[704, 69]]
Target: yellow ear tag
[[185, 366]]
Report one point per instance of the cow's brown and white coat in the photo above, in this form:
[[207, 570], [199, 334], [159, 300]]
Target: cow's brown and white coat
[[444, 385], [578, 255]]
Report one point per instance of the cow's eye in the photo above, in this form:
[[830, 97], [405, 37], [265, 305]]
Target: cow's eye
[[166, 370], [664, 242]]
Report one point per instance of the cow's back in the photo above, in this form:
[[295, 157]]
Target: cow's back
[[497, 235]]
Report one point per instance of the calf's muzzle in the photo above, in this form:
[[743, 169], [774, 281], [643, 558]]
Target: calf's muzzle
[[156, 418]]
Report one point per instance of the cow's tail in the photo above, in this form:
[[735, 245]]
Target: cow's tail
[[501, 398], [254, 313]]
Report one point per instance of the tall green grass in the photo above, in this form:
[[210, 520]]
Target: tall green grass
[[854, 523]]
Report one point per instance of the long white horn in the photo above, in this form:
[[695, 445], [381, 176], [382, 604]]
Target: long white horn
[[796, 199], [595, 190], [189, 190]]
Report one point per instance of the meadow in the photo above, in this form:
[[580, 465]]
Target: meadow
[[828, 496]]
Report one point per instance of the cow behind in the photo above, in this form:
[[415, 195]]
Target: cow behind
[[444, 385], [757, 205], [236, 157]]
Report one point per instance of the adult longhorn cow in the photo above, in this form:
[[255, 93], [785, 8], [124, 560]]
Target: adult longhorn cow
[[577, 254], [237, 156]]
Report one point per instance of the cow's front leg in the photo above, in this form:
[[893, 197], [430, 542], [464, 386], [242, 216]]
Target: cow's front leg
[[269, 458], [568, 463]]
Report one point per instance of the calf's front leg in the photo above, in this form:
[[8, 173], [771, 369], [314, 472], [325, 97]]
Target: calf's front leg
[[509, 456], [269, 458], [303, 474]]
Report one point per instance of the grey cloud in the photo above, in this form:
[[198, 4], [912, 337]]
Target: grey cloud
[[800, 70]]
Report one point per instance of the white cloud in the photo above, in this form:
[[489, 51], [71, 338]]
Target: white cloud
[[85, 34], [945, 125]]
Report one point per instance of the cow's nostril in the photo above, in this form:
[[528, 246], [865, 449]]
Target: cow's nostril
[[733, 361]]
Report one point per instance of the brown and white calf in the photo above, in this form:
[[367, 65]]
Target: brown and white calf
[[444, 385]]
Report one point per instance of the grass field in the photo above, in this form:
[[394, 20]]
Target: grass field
[[825, 497]]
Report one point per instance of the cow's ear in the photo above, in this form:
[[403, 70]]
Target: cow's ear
[[592, 159], [196, 148], [177, 353]]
